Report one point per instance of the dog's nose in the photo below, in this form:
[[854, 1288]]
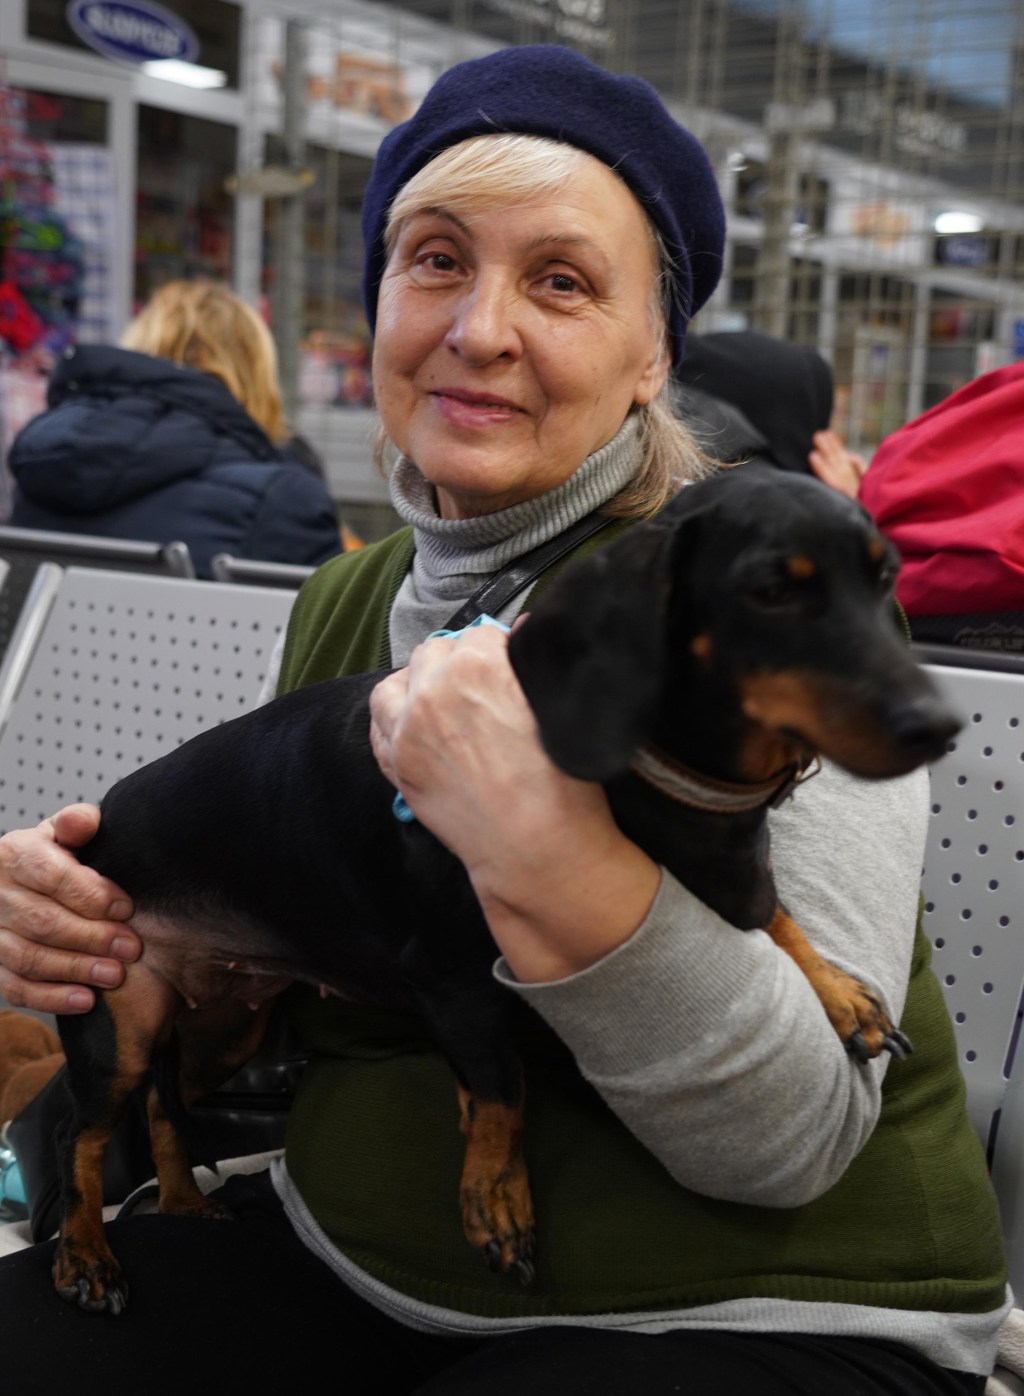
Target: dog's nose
[[924, 726]]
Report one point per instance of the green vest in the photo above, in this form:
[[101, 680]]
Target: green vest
[[375, 1149]]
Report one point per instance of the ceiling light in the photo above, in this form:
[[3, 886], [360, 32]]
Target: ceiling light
[[956, 221], [188, 74]]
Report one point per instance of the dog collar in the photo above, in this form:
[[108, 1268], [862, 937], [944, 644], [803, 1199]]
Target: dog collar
[[713, 796]]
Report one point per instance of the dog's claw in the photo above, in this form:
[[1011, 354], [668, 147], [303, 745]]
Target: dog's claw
[[492, 1254], [524, 1269], [858, 1048], [898, 1044]]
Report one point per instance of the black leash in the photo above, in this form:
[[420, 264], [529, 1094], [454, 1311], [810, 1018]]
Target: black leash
[[498, 590]]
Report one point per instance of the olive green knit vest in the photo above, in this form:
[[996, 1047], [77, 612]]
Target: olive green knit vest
[[375, 1149]]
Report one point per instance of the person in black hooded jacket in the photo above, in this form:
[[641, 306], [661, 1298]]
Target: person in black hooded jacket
[[747, 395], [178, 434]]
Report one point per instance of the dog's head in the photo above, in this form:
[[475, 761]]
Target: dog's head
[[765, 593]]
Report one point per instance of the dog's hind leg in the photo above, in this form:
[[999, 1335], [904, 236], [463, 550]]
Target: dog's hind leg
[[854, 1011], [213, 1043], [108, 1053]]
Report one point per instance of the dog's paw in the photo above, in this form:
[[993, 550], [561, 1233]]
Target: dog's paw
[[196, 1205], [498, 1221], [863, 1024], [896, 1043], [95, 1284]]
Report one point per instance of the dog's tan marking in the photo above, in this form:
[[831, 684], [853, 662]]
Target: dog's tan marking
[[701, 647], [497, 1209], [827, 716], [800, 567], [877, 549], [849, 1005]]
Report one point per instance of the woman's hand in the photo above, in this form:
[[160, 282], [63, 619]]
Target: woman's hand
[[559, 884], [61, 924]]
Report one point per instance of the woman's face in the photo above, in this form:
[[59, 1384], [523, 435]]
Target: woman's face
[[510, 344]]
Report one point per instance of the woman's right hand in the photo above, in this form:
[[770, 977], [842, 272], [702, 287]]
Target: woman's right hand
[[61, 924]]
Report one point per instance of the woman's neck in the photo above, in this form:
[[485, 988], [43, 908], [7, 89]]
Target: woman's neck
[[455, 556]]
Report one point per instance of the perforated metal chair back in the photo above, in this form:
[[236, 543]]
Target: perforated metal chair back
[[25, 549], [125, 669], [973, 887], [290, 575], [973, 880]]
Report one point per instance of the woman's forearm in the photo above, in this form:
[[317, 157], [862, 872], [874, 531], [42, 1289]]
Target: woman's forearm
[[710, 1044]]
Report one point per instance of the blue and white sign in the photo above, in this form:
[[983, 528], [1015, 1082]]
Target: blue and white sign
[[134, 31]]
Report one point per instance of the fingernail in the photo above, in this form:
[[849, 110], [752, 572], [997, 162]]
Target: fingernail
[[79, 1000], [106, 975], [120, 910], [123, 948]]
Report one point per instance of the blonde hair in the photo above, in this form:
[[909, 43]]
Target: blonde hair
[[493, 171], [205, 326]]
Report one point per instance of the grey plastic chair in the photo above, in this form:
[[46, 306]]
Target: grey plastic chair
[[226, 568], [25, 549], [122, 670], [973, 886]]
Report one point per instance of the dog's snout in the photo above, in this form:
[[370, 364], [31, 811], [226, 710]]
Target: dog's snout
[[924, 726]]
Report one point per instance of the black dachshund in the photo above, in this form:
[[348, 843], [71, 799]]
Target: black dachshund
[[697, 665]]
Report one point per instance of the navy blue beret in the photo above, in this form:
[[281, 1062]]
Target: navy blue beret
[[548, 90]]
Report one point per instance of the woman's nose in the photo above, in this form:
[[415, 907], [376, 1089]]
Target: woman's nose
[[484, 323]]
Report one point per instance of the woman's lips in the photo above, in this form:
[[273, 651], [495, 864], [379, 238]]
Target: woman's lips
[[473, 409]]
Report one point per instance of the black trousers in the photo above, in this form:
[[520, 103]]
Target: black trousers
[[245, 1307]]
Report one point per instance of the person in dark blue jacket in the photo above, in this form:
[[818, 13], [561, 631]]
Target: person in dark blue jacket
[[178, 434]]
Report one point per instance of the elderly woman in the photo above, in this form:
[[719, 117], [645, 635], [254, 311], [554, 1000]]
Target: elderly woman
[[728, 1202]]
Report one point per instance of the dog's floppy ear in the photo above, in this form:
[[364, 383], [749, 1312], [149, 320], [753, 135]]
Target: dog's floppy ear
[[589, 655]]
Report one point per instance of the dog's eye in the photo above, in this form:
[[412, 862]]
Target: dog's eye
[[772, 592], [885, 574]]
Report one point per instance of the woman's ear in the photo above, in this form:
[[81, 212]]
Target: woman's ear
[[654, 375]]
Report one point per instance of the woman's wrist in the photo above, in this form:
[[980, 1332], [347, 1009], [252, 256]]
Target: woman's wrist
[[560, 905]]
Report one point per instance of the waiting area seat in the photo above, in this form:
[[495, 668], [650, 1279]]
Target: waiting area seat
[[25, 549], [120, 671], [250, 571], [973, 888]]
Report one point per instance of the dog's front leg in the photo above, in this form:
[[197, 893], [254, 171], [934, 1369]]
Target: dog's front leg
[[497, 1208], [861, 1022], [469, 1015]]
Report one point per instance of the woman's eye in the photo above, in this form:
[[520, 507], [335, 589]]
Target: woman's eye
[[563, 283], [437, 261]]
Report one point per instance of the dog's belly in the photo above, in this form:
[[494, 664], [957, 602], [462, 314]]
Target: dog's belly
[[213, 962], [205, 968]]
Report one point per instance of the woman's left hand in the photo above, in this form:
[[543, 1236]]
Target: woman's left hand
[[559, 883]]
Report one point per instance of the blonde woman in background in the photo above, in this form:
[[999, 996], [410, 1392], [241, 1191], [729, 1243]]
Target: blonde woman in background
[[176, 434]]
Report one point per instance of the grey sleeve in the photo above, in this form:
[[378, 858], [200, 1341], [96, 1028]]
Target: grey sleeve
[[269, 689], [709, 1043]]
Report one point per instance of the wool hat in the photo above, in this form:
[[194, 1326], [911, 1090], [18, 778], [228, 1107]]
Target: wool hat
[[548, 90]]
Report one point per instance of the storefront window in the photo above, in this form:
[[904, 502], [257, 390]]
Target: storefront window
[[184, 216], [334, 351], [58, 242], [215, 24]]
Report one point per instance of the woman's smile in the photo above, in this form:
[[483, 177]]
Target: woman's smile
[[473, 410]]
